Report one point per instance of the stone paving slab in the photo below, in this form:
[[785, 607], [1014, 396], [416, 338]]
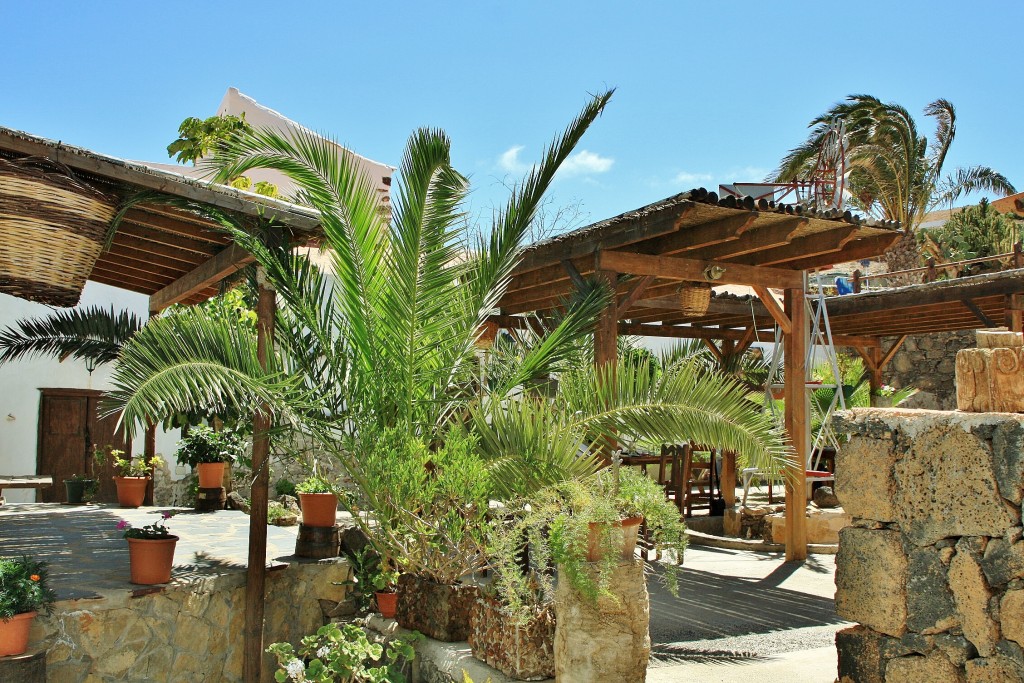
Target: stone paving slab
[[89, 558]]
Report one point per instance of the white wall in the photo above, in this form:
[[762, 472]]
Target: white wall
[[21, 381]]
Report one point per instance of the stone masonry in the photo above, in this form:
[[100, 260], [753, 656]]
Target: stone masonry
[[185, 632], [926, 362], [932, 568]]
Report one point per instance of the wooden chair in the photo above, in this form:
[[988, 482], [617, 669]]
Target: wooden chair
[[697, 491]]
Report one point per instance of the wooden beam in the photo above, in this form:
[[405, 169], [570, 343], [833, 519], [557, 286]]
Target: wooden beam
[[715, 351], [866, 247], [848, 340], [694, 270], [942, 292], [756, 241], [632, 295], [679, 331], [978, 313], [606, 331], [701, 236], [746, 340], [774, 308], [216, 269], [574, 274], [891, 352], [795, 351], [588, 241], [209, 233], [829, 242], [1013, 307]]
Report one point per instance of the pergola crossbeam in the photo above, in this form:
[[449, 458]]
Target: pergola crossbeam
[[697, 270], [211, 272]]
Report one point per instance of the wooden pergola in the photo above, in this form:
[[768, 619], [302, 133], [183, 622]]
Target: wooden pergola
[[648, 254], [177, 255]]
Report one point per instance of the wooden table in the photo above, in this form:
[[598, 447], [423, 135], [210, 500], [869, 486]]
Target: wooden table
[[24, 481]]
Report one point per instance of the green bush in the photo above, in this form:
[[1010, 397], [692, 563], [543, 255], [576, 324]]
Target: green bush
[[204, 445]]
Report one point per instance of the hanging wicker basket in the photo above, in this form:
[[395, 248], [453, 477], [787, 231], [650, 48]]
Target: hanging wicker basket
[[53, 227], [694, 298]]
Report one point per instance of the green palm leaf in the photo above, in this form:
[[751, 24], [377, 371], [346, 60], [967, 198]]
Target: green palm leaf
[[92, 333]]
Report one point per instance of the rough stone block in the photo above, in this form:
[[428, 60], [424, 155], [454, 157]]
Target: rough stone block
[[607, 641], [864, 481], [871, 579], [1003, 561], [917, 669], [946, 486], [523, 652], [973, 389], [995, 669], [435, 610], [1011, 616], [823, 526], [930, 605], [863, 654], [956, 647], [999, 339], [972, 595], [1008, 458]]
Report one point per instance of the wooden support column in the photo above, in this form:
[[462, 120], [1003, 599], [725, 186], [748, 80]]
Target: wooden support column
[[875, 373], [148, 453], [796, 424], [256, 573], [606, 333], [1014, 307], [729, 478]]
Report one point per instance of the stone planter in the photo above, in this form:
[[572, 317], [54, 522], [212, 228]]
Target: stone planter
[[435, 610], [150, 559], [14, 634], [131, 491], [607, 641], [525, 653]]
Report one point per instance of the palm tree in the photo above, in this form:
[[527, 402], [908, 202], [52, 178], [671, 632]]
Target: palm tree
[[386, 345], [894, 172], [94, 335]]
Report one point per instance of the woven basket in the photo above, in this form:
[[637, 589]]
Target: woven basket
[[52, 228], [694, 298]]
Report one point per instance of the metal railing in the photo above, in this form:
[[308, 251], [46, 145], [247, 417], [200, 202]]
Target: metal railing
[[931, 271]]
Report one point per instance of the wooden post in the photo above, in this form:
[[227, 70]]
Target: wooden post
[[728, 482], [856, 281], [931, 274], [256, 572], [1018, 257], [1014, 316], [875, 372], [149, 452], [606, 332], [796, 425]]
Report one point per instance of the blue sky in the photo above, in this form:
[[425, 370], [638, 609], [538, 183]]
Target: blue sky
[[704, 94]]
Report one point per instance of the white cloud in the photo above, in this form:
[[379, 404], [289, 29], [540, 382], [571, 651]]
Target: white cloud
[[509, 160], [747, 174], [585, 162], [684, 177]]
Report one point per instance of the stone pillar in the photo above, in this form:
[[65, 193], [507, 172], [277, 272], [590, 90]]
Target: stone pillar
[[932, 568], [608, 641]]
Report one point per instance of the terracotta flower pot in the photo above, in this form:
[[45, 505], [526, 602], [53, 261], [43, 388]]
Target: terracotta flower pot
[[386, 604], [319, 509], [131, 491], [150, 559], [211, 474], [626, 528], [14, 634]]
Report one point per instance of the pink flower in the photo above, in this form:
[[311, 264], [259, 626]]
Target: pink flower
[[165, 515], [123, 524]]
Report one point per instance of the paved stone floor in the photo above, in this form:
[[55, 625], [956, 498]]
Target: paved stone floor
[[88, 555]]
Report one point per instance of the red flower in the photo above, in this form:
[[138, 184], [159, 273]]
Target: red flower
[[34, 577]]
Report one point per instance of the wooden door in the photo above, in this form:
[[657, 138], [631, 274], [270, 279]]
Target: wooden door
[[69, 425]]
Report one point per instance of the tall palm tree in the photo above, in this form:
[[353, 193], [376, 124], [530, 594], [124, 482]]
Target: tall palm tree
[[387, 342], [895, 173]]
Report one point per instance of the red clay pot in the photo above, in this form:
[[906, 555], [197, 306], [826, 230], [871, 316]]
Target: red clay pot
[[150, 559], [211, 474], [319, 509], [627, 528], [386, 604], [131, 491], [14, 634]]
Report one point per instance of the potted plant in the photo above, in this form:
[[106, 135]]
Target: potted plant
[[80, 489], [343, 652], [24, 591], [209, 452], [132, 474], [150, 550], [318, 502]]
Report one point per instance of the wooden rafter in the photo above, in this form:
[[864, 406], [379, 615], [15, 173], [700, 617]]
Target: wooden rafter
[[216, 269], [694, 270], [775, 308]]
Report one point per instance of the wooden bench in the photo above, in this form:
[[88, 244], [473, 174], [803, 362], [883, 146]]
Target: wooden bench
[[24, 481]]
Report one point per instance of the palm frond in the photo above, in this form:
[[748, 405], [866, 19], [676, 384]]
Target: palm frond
[[92, 333]]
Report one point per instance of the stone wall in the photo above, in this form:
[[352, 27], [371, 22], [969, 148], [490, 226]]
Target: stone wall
[[188, 631], [928, 363], [932, 568]]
